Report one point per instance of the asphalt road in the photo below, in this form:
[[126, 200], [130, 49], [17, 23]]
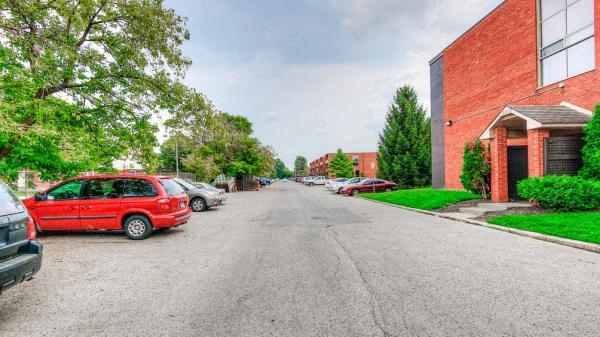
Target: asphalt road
[[297, 261]]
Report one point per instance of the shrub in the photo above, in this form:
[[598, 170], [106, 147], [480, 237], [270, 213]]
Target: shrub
[[562, 193], [591, 150], [476, 170]]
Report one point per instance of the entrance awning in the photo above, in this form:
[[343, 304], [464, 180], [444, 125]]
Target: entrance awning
[[530, 117]]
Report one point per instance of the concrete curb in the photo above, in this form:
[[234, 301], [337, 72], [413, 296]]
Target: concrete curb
[[590, 247]]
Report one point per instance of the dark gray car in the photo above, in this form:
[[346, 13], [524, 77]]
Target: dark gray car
[[201, 199], [20, 254]]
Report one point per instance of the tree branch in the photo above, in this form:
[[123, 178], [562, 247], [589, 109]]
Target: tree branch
[[89, 26]]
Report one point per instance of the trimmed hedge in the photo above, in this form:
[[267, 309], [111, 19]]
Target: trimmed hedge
[[562, 193]]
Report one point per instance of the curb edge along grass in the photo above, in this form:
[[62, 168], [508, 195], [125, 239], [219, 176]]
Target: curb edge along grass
[[590, 247]]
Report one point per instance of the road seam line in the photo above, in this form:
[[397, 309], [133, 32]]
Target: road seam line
[[373, 300]]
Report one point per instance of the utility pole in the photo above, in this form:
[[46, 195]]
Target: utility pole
[[176, 157]]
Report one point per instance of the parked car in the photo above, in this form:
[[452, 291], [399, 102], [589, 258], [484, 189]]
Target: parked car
[[339, 186], [137, 204], [370, 186], [330, 182], [312, 181], [201, 199], [20, 253], [211, 188]]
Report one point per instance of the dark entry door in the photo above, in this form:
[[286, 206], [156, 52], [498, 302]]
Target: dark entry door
[[518, 169]]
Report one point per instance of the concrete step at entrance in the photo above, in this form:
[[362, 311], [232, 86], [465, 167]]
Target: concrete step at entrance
[[492, 207], [477, 211]]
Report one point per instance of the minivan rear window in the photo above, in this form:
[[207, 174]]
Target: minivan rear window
[[171, 187], [9, 203]]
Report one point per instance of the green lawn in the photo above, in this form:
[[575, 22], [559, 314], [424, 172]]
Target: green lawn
[[426, 199], [575, 226]]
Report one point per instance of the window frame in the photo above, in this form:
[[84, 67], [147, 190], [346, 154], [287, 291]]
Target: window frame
[[89, 181], [54, 188], [147, 181], [565, 45]]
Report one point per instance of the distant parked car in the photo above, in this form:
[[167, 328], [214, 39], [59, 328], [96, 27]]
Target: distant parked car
[[20, 253], [312, 181], [211, 188], [370, 186], [339, 186], [136, 204], [201, 199], [331, 182]]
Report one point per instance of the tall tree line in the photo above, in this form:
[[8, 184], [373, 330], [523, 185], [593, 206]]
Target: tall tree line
[[405, 142]]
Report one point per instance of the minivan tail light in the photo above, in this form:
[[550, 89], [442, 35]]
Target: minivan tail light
[[31, 232], [164, 204]]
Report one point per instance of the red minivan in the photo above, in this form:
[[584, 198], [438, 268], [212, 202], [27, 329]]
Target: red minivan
[[137, 204]]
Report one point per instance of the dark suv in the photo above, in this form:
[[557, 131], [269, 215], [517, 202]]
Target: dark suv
[[20, 254]]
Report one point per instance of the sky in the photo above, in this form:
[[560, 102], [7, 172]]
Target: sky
[[317, 75]]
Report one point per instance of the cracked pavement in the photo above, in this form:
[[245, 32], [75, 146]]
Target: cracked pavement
[[297, 261]]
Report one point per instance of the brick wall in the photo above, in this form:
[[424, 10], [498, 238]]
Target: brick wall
[[495, 64], [367, 164]]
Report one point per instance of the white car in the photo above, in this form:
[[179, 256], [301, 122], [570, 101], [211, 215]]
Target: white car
[[331, 182], [338, 187], [312, 181]]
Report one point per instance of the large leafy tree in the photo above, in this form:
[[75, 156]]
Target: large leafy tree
[[341, 166], [591, 149], [405, 143], [216, 142], [301, 165], [80, 81], [281, 171]]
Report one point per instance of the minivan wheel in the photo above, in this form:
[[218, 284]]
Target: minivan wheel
[[137, 227], [355, 192], [340, 190], [198, 205], [311, 184]]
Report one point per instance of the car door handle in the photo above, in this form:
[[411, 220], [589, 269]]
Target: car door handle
[[86, 207], [73, 208]]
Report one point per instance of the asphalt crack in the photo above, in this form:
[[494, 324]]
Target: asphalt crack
[[372, 297]]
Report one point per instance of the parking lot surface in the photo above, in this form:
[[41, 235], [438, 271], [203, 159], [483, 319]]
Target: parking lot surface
[[297, 261]]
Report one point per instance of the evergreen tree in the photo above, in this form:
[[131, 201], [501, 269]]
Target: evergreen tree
[[405, 143], [341, 166], [476, 171], [591, 150]]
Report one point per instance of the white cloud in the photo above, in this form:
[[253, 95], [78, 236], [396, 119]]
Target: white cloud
[[314, 107]]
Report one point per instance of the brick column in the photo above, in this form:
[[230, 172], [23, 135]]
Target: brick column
[[535, 151], [499, 161]]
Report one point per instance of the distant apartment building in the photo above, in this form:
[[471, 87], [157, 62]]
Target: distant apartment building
[[365, 164], [524, 80]]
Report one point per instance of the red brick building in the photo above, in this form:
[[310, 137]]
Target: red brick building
[[524, 79], [365, 164]]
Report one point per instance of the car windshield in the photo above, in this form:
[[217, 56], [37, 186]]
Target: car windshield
[[9, 203], [354, 180], [172, 187], [208, 186], [185, 184]]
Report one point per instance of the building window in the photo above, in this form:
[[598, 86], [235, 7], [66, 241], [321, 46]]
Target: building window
[[567, 39]]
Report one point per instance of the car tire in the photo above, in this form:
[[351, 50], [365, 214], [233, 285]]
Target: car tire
[[198, 205], [355, 192], [137, 227], [311, 184], [340, 190], [388, 189]]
